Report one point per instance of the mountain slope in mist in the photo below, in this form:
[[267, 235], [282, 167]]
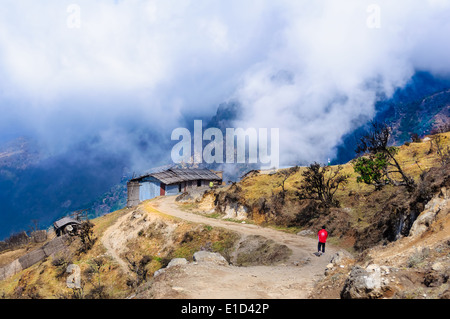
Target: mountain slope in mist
[[418, 108], [47, 188], [44, 188]]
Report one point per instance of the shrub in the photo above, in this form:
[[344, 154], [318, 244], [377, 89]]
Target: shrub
[[321, 183], [86, 236]]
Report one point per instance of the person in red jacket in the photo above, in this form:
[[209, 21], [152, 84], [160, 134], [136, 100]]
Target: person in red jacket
[[322, 235]]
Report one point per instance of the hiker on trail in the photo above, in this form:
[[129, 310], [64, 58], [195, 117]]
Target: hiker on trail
[[322, 235]]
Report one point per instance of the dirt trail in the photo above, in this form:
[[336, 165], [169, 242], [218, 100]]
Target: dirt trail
[[281, 281], [112, 245]]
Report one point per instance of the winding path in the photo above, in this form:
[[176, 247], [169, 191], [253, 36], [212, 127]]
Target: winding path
[[281, 281]]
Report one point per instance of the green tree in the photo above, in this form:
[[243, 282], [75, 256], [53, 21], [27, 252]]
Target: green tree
[[381, 158], [372, 170]]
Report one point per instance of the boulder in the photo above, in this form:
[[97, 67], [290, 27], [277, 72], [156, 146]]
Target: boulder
[[338, 258], [306, 232], [235, 211], [328, 269], [439, 205], [176, 262], [363, 283], [206, 256]]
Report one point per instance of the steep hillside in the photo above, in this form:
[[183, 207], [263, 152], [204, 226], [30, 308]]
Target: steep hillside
[[36, 186], [246, 241], [129, 246], [365, 217], [31, 177], [418, 108]]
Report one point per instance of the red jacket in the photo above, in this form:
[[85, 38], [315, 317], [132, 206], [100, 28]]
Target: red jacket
[[323, 234]]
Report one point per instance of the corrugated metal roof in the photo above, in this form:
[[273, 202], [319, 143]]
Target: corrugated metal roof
[[64, 221], [177, 175]]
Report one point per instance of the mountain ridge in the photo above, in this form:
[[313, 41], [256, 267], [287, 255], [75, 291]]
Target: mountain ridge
[[149, 251], [27, 176]]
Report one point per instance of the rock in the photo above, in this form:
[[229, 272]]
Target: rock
[[206, 256], [194, 195], [363, 283], [306, 232], [176, 262], [385, 270], [136, 215], [438, 205], [328, 269], [445, 294], [159, 272], [235, 211], [339, 257], [302, 262], [258, 250], [336, 259], [438, 266], [375, 276]]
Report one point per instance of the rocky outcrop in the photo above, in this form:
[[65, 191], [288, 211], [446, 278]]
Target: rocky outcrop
[[230, 203], [257, 250], [339, 259], [235, 211], [199, 257], [363, 283], [177, 262], [206, 256], [437, 207]]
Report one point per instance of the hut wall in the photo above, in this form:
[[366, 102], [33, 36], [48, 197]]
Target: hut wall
[[173, 189], [133, 194], [149, 188]]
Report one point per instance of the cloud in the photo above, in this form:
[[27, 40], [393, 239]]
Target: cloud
[[133, 69], [340, 64]]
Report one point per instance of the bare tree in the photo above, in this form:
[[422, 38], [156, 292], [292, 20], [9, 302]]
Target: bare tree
[[442, 151], [139, 269], [86, 234], [285, 174], [321, 183]]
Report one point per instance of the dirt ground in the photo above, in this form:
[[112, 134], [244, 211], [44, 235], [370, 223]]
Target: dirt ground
[[301, 275], [294, 278]]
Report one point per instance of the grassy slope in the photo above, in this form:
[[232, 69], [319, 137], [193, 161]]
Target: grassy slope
[[162, 240], [45, 280], [358, 199]]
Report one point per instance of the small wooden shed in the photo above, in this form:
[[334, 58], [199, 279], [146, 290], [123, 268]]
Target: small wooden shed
[[66, 225]]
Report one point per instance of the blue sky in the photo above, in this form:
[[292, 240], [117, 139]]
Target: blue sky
[[70, 70]]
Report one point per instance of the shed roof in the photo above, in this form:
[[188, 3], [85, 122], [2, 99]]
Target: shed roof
[[177, 175], [64, 221]]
